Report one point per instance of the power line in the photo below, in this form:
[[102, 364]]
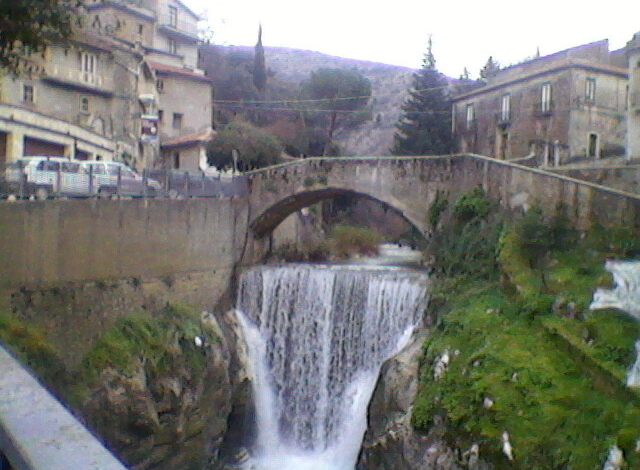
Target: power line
[[279, 109], [319, 100]]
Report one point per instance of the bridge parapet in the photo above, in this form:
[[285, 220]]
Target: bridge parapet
[[409, 185]]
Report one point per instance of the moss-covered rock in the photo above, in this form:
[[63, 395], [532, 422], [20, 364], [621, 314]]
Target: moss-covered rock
[[527, 356], [155, 396]]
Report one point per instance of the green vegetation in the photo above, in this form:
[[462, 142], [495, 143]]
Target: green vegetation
[[28, 26], [342, 242], [425, 126], [256, 148], [304, 115], [347, 240], [31, 347], [338, 93], [161, 342], [526, 355]]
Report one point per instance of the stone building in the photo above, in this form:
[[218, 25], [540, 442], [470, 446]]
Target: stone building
[[633, 119], [126, 84], [563, 107]]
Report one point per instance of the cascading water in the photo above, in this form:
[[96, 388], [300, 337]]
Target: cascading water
[[624, 296], [317, 337]]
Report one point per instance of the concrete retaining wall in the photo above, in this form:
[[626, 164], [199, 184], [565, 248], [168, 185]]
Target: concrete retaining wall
[[52, 242]]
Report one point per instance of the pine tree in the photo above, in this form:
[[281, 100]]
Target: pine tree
[[425, 127]]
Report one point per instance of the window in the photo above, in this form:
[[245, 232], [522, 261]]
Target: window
[[505, 110], [177, 121], [471, 115], [160, 85], [88, 67], [84, 104], [113, 170], [140, 28], [590, 90], [28, 94], [173, 47], [48, 165], [453, 119], [160, 115], [70, 167], [176, 160], [545, 98], [593, 146], [173, 16]]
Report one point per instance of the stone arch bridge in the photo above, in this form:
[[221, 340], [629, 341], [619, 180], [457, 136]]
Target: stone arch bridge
[[409, 185]]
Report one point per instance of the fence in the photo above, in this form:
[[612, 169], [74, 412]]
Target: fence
[[42, 179]]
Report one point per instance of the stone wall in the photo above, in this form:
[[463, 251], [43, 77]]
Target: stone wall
[[409, 185]]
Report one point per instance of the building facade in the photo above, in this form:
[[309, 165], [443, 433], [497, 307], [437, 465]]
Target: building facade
[[132, 66], [564, 107], [633, 119]]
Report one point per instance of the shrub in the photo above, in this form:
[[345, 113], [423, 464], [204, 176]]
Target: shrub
[[436, 209], [472, 205], [256, 148], [347, 239]]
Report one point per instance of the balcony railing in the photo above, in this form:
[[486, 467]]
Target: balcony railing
[[180, 27], [503, 117], [74, 76], [544, 109]]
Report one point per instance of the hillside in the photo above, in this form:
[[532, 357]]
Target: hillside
[[389, 89]]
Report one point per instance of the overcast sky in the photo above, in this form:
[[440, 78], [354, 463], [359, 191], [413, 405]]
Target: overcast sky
[[464, 32]]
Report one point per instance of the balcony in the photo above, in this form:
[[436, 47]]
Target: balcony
[[503, 118], [69, 77], [544, 109], [179, 29]]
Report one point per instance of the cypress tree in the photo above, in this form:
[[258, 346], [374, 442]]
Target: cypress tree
[[425, 127], [259, 67]]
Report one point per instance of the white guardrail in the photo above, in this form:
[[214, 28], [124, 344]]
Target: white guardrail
[[37, 432]]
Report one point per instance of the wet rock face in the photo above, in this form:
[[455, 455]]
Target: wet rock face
[[391, 442], [171, 421], [178, 415]]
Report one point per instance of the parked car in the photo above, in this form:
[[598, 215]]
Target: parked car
[[46, 175], [109, 178]]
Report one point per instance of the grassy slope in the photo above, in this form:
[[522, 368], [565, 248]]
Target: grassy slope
[[556, 379]]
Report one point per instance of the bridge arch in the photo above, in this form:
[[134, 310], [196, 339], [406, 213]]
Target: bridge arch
[[265, 222]]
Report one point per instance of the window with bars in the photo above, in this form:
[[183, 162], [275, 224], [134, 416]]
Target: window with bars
[[173, 46], [177, 121], [173, 16], [471, 115], [28, 95], [545, 98], [88, 67], [590, 90], [505, 109]]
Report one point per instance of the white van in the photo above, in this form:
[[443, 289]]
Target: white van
[[109, 178], [44, 176]]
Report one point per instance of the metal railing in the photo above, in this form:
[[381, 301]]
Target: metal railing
[[70, 179], [503, 117], [544, 108]]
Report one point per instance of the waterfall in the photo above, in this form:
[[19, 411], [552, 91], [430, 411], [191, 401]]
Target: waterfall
[[624, 296], [318, 336]]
